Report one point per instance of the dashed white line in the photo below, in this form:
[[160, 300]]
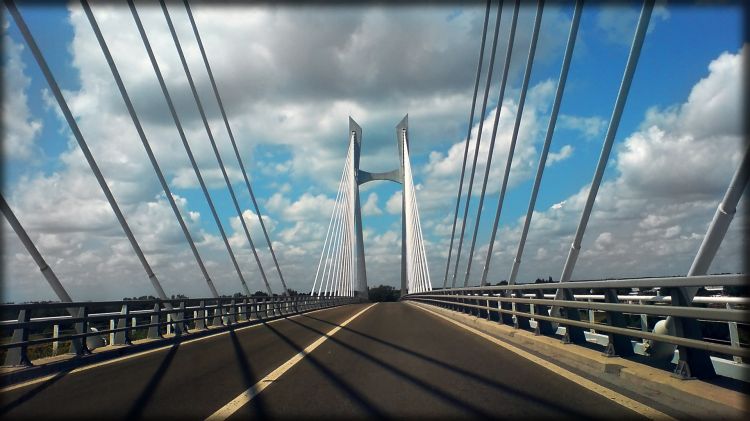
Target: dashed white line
[[243, 398]]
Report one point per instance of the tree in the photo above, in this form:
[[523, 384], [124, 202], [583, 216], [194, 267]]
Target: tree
[[384, 293]]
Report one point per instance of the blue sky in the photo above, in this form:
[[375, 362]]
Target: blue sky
[[289, 98]]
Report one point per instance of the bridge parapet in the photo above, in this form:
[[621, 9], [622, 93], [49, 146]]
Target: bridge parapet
[[624, 311], [88, 325]]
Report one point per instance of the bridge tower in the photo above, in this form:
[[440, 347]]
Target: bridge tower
[[342, 261]]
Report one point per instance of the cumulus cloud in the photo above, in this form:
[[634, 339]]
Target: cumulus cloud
[[650, 218], [20, 128], [590, 127], [564, 153]]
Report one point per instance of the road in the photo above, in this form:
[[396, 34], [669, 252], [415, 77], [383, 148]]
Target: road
[[393, 360]]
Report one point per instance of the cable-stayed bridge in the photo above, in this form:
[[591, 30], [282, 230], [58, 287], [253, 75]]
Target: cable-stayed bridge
[[665, 347], [341, 270]]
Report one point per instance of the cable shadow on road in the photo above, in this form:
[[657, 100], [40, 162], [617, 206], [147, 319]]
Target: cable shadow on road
[[371, 409], [32, 393], [247, 375], [431, 389], [500, 387], [136, 410]]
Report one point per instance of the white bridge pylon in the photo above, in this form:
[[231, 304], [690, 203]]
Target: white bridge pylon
[[341, 269]]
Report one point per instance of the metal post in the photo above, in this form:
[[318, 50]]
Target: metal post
[[55, 335], [154, 332], [122, 337], [18, 356]]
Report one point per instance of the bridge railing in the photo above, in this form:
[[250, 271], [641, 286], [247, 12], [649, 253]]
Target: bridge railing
[[620, 315], [88, 325]]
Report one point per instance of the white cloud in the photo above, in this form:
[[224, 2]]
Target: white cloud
[[649, 219], [564, 153], [20, 128], [590, 127], [370, 206]]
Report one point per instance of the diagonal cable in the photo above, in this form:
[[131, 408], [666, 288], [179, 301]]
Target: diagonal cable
[[501, 98], [213, 145], [234, 143], [146, 145], [548, 137], [468, 137], [477, 143], [181, 132], [36, 52]]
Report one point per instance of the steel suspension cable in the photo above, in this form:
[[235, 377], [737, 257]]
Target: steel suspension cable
[[330, 264], [146, 145], [548, 137], [468, 137], [328, 231], [185, 143], [234, 143], [331, 240], [202, 113], [420, 272], [47, 272], [501, 98], [622, 95], [478, 142], [333, 267], [36, 52]]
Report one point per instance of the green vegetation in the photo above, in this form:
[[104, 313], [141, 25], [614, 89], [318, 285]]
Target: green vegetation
[[384, 293]]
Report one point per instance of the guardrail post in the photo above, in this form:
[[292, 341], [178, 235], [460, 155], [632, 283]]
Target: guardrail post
[[521, 322], [218, 320], [618, 345], [256, 308], [242, 314], [692, 363], [543, 327], [154, 332], [734, 336], [55, 335], [232, 312], [573, 334], [505, 318], [200, 318], [18, 356], [78, 345], [122, 337], [179, 316]]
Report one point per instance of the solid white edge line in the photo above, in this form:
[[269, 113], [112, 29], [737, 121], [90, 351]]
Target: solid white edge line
[[608, 393], [151, 351], [243, 398]]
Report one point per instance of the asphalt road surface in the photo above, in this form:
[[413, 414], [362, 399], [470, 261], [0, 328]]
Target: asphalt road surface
[[392, 361]]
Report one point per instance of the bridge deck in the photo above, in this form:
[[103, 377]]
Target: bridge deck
[[392, 360]]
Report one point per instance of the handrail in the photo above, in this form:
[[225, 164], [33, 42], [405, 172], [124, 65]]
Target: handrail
[[157, 316], [524, 305]]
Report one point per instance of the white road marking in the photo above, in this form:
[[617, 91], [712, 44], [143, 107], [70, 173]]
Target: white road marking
[[150, 351], [610, 394], [235, 404]]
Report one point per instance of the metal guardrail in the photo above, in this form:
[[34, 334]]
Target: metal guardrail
[[85, 329], [526, 306]]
